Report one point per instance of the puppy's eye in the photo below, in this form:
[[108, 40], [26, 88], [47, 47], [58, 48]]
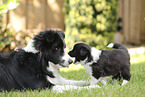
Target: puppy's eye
[[75, 51]]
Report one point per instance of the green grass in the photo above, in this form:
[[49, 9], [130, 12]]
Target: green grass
[[135, 88]]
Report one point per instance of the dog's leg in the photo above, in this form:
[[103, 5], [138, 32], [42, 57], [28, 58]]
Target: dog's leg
[[94, 81], [60, 88], [59, 80], [126, 76], [124, 82], [103, 80], [73, 82], [62, 81], [114, 80]]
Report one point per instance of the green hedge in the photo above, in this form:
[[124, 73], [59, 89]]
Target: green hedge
[[90, 21], [6, 35]]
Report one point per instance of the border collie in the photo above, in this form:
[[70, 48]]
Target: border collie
[[36, 66], [101, 64]]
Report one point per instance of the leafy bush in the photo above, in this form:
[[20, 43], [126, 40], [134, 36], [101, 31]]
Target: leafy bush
[[6, 35], [6, 5], [90, 21]]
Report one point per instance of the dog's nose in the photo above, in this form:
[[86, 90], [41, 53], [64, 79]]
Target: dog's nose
[[70, 61]]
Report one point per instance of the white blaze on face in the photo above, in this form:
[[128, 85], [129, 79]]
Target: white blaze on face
[[66, 58], [30, 47]]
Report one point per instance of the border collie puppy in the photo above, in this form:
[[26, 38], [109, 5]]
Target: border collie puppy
[[36, 66], [101, 64]]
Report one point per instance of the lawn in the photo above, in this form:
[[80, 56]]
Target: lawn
[[135, 88]]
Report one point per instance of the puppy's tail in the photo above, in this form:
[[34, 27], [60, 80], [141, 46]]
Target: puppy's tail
[[117, 46]]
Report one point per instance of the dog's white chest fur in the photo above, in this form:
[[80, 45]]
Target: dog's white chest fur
[[57, 80], [88, 69], [95, 53]]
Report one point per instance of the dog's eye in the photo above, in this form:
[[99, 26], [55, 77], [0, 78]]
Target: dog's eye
[[57, 48]]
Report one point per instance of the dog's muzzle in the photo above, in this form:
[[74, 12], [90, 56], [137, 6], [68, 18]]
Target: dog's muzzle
[[66, 60]]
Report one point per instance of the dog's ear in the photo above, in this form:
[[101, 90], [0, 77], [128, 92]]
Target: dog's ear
[[43, 39], [51, 37], [83, 52], [55, 35]]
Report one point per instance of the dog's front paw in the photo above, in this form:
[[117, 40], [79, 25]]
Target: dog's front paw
[[94, 86]]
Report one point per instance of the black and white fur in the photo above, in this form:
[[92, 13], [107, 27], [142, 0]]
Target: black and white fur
[[59, 82], [101, 64], [37, 65]]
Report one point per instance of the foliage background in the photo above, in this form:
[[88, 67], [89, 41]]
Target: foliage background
[[6, 32], [90, 21]]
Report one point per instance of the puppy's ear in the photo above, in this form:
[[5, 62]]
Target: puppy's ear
[[83, 52], [71, 53]]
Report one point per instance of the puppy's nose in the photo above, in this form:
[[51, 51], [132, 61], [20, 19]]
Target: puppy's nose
[[70, 61]]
